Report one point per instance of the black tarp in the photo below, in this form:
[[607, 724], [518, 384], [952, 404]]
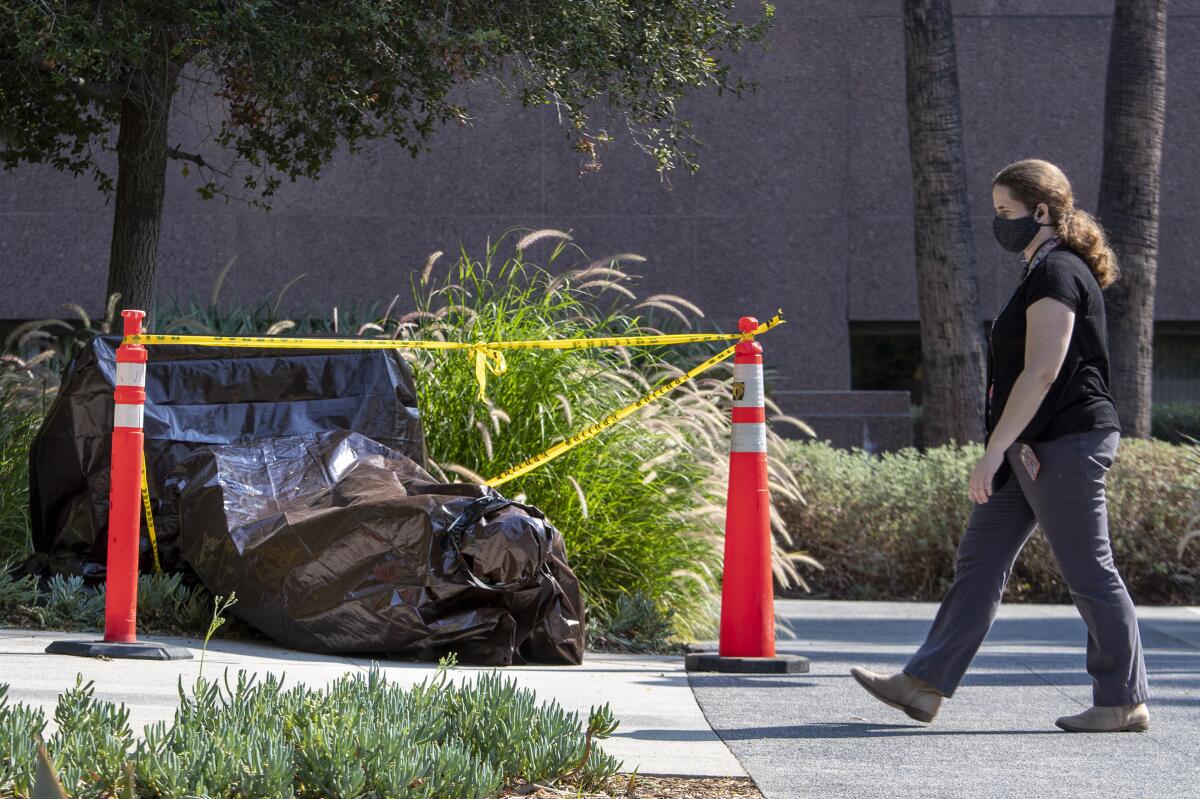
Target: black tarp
[[195, 397], [335, 543]]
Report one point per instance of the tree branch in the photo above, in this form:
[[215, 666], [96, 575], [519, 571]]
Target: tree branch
[[198, 160]]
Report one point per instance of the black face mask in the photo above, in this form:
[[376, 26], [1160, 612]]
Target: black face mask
[[1014, 235]]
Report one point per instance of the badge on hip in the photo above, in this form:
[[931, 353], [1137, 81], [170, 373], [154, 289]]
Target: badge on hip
[[1030, 461]]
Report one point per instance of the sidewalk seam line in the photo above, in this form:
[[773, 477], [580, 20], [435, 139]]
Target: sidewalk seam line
[[716, 732]]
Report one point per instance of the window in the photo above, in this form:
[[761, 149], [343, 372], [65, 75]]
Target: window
[[886, 356], [1176, 362]]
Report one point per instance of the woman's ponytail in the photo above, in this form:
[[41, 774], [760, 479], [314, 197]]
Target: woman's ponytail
[[1080, 231]]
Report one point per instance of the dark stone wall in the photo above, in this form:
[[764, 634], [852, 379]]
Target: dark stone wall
[[803, 201]]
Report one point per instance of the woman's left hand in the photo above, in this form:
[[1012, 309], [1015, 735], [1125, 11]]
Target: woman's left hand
[[979, 487]]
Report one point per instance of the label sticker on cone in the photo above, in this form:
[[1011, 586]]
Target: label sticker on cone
[[128, 416], [750, 377]]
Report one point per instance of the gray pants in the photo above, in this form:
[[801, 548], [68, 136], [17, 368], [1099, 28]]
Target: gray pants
[[1067, 501]]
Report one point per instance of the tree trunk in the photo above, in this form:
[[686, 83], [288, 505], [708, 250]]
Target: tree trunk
[[952, 347], [141, 180], [1134, 110]]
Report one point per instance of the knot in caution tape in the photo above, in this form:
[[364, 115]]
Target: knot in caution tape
[[487, 359], [763, 327]]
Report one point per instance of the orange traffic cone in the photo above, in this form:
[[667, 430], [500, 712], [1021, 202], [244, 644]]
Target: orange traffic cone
[[747, 601], [124, 516]]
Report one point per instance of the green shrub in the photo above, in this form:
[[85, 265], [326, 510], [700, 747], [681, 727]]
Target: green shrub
[[1192, 533], [19, 421], [166, 605], [20, 728], [883, 526], [1175, 421], [16, 591], [359, 736], [637, 624], [68, 605], [629, 502], [641, 505], [887, 526]]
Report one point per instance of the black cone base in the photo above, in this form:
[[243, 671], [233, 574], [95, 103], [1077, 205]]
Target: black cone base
[[142, 650], [780, 664]]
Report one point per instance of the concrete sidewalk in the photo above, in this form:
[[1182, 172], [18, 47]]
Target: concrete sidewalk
[[821, 735], [662, 730], [804, 735]]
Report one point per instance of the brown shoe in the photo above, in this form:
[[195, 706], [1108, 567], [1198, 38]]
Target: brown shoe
[[1099, 718], [901, 691]]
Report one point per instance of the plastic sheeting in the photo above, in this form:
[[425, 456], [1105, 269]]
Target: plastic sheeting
[[335, 543], [195, 397]]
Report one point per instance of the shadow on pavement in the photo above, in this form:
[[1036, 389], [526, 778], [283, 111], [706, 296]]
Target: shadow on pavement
[[708, 680], [1012, 668], [849, 729], [898, 631], [667, 735]]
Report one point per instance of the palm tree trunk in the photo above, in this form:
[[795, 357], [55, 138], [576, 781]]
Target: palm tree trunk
[[1134, 111], [141, 181], [952, 347]]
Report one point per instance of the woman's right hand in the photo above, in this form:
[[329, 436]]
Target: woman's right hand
[[979, 485]]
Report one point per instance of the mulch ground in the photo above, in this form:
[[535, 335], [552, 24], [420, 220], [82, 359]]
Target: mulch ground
[[643, 786]]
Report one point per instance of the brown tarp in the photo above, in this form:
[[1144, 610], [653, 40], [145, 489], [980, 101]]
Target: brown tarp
[[336, 543]]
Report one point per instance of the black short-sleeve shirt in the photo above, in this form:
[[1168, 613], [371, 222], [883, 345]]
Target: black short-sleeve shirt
[[1079, 398]]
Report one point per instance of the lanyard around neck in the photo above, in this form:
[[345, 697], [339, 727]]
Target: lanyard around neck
[[1038, 256]]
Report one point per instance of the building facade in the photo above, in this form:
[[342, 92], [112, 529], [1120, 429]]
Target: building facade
[[803, 201]]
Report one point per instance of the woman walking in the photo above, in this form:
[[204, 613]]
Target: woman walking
[[1052, 435]]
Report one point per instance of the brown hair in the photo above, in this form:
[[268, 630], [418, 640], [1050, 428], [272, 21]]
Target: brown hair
[[1034, 181]]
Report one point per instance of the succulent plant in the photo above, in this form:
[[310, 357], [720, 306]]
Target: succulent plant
[[361, 736]]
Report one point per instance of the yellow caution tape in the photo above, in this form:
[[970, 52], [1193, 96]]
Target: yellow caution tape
[[488, 358], [273, 342], [488, 355], [150, 517]]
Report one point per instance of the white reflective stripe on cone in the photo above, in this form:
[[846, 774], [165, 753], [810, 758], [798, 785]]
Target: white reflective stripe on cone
[[131, 374], [128, 415], [751, 377], [748, 437]]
